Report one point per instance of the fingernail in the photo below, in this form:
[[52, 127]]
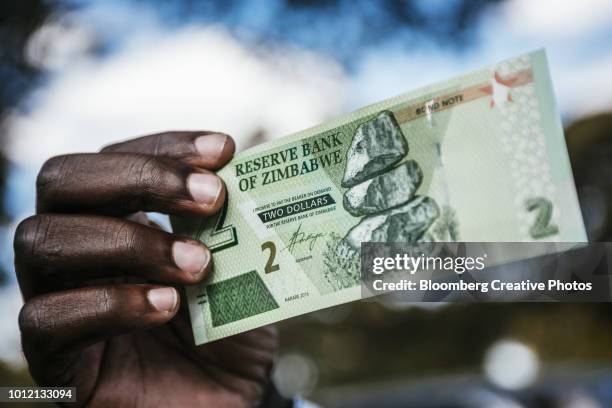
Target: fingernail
[[163, 299], [204, 187], [211, 145], [190, 257]]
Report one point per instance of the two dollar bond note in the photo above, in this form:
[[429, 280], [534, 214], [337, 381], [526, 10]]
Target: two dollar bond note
[[478, 158]]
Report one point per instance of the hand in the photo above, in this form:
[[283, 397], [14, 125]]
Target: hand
[[100, 281]]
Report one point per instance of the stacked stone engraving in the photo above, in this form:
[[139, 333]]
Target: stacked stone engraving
[[384, 195], [384, 191], [377, 145]]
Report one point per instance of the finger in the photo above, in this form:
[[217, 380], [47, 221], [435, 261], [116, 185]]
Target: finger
[[54, 251], [124, 183], [73, 319], [209, 150]]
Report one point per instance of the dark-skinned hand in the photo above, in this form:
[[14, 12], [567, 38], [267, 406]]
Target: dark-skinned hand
[[102, 284]]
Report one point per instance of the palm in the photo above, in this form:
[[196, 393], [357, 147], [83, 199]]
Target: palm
[[162, 367]]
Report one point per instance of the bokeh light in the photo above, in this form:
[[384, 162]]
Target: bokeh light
[[511, 365]]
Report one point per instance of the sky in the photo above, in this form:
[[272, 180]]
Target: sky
[[114, 70]]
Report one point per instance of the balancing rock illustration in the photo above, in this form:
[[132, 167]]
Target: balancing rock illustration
[[384, 191], [383, 195], [377, 145]]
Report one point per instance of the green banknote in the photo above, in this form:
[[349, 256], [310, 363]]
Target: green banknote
[[478, 158]]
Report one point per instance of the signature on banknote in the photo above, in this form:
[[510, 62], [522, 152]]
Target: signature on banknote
[[302, 238]]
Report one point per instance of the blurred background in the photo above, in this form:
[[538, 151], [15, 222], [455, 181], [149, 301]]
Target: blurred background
[[76, 75]]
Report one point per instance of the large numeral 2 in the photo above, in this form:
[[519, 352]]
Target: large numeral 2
[[270, 265], [220, 236], [542, 226]]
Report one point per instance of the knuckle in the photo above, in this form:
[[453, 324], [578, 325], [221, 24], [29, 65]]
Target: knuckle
[[30, 318], [40, 324], [152, 172], [51, 172], [155, 177], [148, 144], [125, 239], [28, 235], [106, 301], [158, 142], [119, 305], [114, 147], [145, 172], [230, 144]]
